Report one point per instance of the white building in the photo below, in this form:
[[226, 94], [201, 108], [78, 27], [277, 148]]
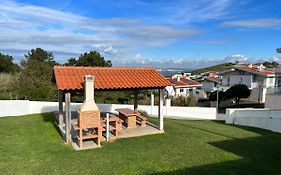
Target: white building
[[210, 84], [184, 86], [257, 78]]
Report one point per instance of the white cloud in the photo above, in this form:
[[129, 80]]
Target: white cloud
[[255, 23], [138, 56], [24, 27], [184, 12], [236, 58]]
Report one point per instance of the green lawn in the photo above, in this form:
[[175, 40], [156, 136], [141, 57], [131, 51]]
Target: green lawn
[[32, 145]]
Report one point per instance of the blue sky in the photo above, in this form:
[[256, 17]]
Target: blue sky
[[158, 33]]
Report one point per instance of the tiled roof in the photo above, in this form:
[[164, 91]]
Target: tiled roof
[[72, 78], [180, 83], [212, 78], [184, 82], [255, 69]]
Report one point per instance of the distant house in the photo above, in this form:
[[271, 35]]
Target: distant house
[[209, 84], [184, 86], [257, 78]]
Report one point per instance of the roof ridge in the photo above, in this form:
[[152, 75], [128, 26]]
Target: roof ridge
[[100, 67]]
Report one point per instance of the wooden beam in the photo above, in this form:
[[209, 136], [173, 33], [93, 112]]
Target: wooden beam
[[160, 110], [61, 121], [136, 100], [67, 117]]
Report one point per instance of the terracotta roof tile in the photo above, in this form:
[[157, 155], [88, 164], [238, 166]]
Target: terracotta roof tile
[[184, 82], [72, 78], [212, 78], [255, 69]]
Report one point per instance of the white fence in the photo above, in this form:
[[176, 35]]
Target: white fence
[[24, 107], [261, 118]]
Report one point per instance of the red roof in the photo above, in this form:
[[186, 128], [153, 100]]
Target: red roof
[[212, 78], [180, 83], [184, 81], [256, 69], [72, 78]]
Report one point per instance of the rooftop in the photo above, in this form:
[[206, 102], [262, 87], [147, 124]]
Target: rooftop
[[109, 78], [184, 81], [256, 69], [260, 70], [212, 78]]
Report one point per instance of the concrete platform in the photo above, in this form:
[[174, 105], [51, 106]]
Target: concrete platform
[[150, 129]]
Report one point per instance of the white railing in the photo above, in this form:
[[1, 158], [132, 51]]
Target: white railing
[[24, 107]]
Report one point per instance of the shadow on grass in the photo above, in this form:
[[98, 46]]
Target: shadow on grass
[[50, 117], [247, 128], [258, 155]]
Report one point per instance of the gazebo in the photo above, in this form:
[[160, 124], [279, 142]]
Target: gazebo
[[70, 79], [278, 50]]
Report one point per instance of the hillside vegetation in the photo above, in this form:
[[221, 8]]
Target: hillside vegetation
[[217, 68]]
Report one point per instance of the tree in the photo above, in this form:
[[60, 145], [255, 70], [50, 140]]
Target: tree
[[36, 78], [213, 96], [237, 92], [71, 62], [39, 55], [92, 58], [7, 65]]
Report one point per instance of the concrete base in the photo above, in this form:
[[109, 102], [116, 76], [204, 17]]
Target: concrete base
[[124, 133]]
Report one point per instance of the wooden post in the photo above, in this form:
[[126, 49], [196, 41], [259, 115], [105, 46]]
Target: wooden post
[[61, 121], [151, 103], [107, 126], [160, 110], [135, 100], [67, 117]]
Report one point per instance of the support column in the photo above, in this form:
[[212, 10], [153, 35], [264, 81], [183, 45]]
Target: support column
[[61, 121], [67, 118], [151, 103], [160, 110], [136, 100]]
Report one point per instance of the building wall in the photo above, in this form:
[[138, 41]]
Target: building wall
[[186, 91], [273, 101], [208, 86]]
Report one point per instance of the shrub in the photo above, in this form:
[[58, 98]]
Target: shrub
[[184, 101], [143, 113]]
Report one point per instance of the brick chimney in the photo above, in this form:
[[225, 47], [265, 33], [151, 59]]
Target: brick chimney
[[89, 102]]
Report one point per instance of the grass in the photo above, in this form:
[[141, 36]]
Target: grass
[[32, 145]]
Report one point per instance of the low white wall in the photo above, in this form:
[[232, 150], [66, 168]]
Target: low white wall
[[261, 118], [24, 107]]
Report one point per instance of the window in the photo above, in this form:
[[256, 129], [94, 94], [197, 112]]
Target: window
[[181, 90], [254, 78], [197, 92], [228, 81]]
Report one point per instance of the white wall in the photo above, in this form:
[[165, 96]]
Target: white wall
[[241, 79], [208, 86], [261, 118], [24, 107], [273, 101]]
